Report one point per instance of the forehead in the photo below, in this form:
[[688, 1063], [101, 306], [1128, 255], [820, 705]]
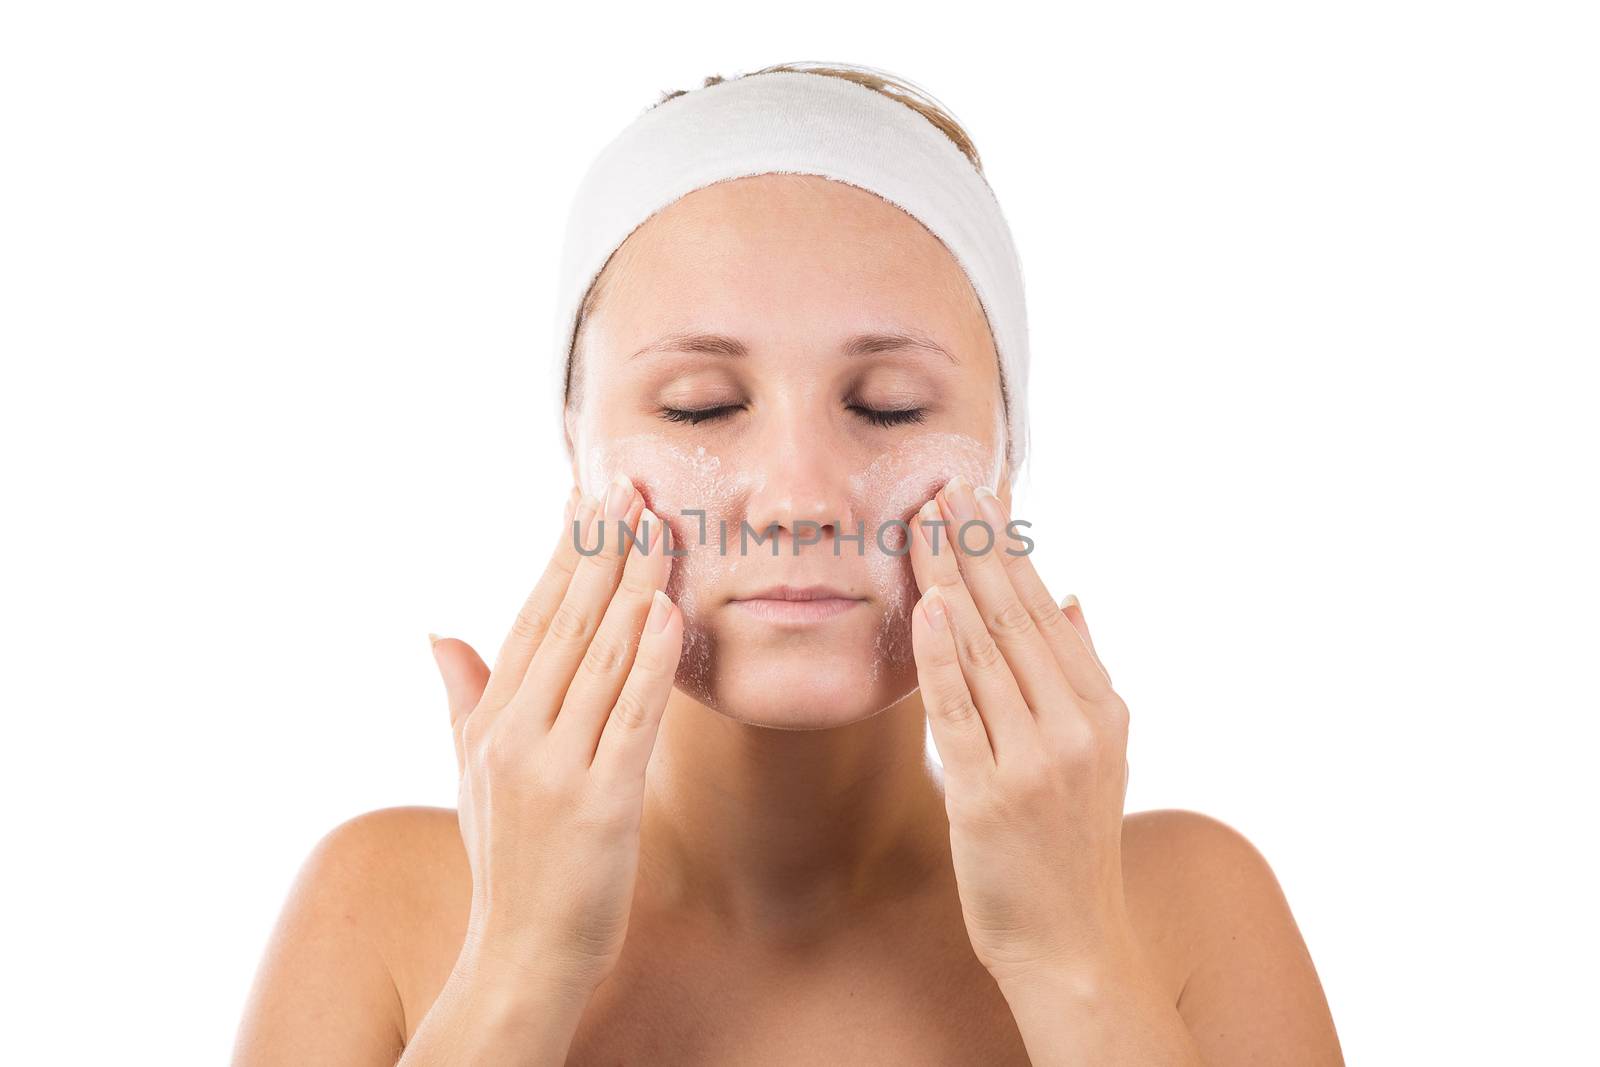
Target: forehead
[[799, 253]]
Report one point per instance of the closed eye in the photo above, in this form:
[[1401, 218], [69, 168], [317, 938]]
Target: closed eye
[[694, 416], [890, 416], [876, 416]]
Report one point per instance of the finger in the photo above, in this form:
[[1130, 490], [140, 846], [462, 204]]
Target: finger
[[1074, 657], [1074, 611], [465, 676], [1010, 724], [958, 730], [605, 665], [974, 543], [533, 619], [630, 731], [576, 619]]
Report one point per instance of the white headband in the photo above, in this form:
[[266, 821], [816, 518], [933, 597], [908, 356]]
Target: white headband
[[799, 123]]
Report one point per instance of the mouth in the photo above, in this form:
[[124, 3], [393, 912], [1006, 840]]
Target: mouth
[[797, 605]]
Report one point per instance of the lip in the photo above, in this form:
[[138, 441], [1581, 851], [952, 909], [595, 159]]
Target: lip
[[798, 605]]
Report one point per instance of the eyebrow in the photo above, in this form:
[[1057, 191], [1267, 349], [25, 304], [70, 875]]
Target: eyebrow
[[863, 344]]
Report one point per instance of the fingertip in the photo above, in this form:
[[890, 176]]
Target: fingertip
[[443, 657], [583, 515], [636, 506], [660, 612], [1074, 612], [652, 530]]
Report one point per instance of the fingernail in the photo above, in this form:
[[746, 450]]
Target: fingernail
[[935, 609], [588, 507], [618, 497], [433, 639], [925, 522], [649, 529], [660, 609], [958, 492], [1070, 601], [989, 505]]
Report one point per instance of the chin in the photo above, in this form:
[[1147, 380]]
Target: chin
[[801, 689]]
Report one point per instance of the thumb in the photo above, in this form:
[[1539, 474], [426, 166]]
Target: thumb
[[465, 677]]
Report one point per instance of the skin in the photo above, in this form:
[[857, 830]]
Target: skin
[[741, 853]]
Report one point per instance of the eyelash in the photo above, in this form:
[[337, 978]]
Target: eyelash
[[694, 417], [876, 416], [890, 416]]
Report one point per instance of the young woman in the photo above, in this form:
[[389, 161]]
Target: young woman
[[697, 823]]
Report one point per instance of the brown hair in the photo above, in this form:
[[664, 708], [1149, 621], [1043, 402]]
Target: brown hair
[[895, 88]]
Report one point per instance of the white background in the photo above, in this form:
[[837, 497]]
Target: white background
[[1313, 297]]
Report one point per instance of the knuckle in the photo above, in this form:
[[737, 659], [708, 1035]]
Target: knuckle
[[607, 561], [498, 755], [630, 710], [1077, 745], [1012, 619], [955, 704], [982, 805], [635, 586], [650, 662], [530, 624], [1048, 616], [1115, 710], [569, 623], [597, 810], [981, 651], [564, 565], [606, 656], [472, 733]]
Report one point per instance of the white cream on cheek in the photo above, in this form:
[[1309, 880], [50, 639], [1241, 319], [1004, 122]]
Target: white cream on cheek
[[677, 484], [892, 486]]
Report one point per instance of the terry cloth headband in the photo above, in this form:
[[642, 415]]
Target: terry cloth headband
[[799, 123]]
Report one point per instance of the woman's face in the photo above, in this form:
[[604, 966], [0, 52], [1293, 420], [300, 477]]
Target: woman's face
[[780, 363]]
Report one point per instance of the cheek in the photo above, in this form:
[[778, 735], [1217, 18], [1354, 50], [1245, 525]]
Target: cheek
[[679, 484], [888, 493], [694, 492]]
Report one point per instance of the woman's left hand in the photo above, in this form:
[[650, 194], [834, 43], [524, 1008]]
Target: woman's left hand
[[1034, 744]]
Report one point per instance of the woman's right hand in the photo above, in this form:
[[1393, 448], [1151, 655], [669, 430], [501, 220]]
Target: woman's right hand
[[552, 747]]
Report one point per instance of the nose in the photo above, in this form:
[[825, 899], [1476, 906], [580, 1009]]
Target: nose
[[805, 494]]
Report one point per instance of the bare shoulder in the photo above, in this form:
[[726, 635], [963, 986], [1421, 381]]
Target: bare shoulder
[[372, 911], [405, 870], [1177, 867], [373, 839], [1173, 849], [393, 861], [1215, 921]]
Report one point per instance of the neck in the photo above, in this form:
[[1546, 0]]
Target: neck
[[790, 831]]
